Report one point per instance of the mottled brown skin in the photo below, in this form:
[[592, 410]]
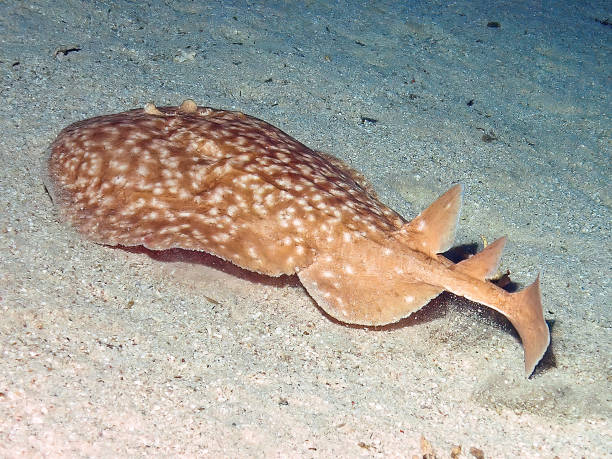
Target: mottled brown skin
[[237, 187], [232, 184]]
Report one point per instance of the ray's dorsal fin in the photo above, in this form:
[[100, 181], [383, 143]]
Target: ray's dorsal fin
[[433, 230], [484, 264]]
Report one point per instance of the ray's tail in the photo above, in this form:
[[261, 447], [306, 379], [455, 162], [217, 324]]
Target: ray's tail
[[364, 282], [432, 232]]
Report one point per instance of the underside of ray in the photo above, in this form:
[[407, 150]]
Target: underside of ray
[[433, 230]]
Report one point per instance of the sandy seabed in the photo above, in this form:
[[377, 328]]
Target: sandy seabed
[[107, 352]]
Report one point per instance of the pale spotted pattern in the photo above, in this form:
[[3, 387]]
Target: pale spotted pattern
[[211, 180]]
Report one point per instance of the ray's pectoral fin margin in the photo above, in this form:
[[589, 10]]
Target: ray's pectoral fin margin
[[359, 285]]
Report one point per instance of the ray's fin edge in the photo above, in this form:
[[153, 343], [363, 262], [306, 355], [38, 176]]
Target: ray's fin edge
[[527, 317]]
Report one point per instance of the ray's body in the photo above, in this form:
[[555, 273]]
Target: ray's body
[[236, 187]]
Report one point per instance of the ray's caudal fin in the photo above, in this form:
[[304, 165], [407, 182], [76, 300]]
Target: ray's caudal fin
[[527, 317]]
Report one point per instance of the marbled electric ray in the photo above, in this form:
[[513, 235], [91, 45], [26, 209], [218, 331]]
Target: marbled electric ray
[[236, 187]]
